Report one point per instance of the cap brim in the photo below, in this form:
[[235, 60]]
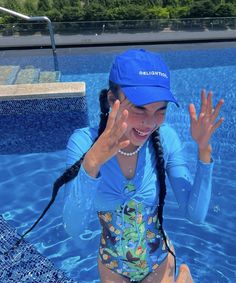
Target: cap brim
[[141, 95]]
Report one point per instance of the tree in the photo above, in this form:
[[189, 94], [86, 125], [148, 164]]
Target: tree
[[94, 11], [202, 9], [173, 3], [72, 14], [74, 3], [54, 15], [225, 10], [129, 12], [157, 13], [29, 7], [77, 10], [60, 4], [179, 12], [13, 5], [44, 5]]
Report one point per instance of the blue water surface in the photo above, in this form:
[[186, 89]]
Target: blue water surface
[[209, 249]]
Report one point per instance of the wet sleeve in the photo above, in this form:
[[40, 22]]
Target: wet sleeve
[[80, 192], [192, 194]]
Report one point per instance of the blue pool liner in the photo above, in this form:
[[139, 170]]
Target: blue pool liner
[[24, 263]]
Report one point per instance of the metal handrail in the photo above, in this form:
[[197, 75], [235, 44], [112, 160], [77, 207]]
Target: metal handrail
[[34, 19]]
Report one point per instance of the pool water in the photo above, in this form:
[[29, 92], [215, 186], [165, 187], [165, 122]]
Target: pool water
[[209, 249]]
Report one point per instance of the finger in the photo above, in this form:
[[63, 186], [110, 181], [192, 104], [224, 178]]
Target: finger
[[209, 104], [203, 101], [118, 128], [119, 132], [192, 112], [112, 115], [216, 111], [122, 118], [115, 142], [123, 144], [121, 122], [217, 125]]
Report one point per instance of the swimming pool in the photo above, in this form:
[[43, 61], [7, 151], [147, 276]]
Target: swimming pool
[[26, 179]]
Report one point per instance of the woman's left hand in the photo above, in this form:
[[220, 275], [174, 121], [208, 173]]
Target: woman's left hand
[[203, 126]]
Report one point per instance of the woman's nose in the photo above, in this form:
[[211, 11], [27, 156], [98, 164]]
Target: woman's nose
[[149, 121]]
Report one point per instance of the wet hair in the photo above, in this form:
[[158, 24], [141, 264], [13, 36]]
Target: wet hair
[[160, 169], [72, 172]]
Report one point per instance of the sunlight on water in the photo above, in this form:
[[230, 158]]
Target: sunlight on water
[[209, 249]]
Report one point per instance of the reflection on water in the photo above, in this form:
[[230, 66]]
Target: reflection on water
[[25, 194], [209, 249]]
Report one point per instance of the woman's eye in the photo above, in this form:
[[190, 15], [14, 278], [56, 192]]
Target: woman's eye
[[138, 111], [161, 113]]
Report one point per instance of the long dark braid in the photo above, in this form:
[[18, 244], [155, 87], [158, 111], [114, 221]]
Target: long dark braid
[[73, 171], [161, 177]]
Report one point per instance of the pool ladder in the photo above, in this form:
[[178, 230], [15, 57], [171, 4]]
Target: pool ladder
[[34, 19]]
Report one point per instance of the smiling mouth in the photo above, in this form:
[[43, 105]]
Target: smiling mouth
[[143, 134]]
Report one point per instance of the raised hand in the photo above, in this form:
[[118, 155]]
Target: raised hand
[[203, 126], [109, 142]]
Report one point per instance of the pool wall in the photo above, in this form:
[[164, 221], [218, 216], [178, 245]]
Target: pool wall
[[40, 123]]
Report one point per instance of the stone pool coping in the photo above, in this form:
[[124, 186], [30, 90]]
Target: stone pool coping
[[42, 90]]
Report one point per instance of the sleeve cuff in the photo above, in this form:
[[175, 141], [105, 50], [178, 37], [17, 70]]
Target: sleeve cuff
[[85, 187], [204, 169], [200, 162], [85, 175]]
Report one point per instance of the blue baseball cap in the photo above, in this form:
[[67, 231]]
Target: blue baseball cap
[[143, 77]]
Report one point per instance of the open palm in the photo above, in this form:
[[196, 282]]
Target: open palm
[[203, 126]]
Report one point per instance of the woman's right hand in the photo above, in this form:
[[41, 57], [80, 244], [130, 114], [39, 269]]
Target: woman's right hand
[[109, 142]]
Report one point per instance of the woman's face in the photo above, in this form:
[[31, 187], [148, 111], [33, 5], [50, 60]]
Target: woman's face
[[142, 120]]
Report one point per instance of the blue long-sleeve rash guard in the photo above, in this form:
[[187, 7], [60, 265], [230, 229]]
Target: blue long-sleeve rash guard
[[85, 194]]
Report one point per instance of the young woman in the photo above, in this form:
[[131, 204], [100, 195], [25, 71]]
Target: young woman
[[121, 166]]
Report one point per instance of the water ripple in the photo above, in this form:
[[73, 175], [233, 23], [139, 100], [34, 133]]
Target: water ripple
[[209, 249]]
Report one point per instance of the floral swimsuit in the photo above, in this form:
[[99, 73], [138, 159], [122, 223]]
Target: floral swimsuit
[[131, 243]]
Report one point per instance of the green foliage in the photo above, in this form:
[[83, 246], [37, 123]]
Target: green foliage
[[94, 11], [30, 7], [185, 3], [157, 13], [225, 10], [202, 9], [43, 5], [13, 5], [100, 10], [178, 12], [60, 4], [173, 3], [54, 15], [75, 3], [130, 12], [148, 2], [72, 14]]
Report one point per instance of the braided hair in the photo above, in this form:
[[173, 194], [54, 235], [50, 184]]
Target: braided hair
[[160, 170], [72, 172]]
